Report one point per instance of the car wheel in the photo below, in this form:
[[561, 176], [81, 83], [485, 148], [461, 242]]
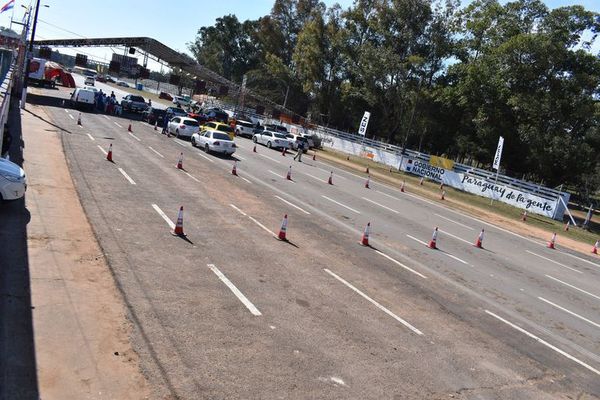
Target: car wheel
[[254, 139], [206, 148], [193, 141], [269, 144]]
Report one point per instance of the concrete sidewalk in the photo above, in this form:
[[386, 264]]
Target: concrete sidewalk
[[70, 338]]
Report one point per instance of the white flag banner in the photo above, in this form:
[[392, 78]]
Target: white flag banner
[[362, 130], [498, 155]]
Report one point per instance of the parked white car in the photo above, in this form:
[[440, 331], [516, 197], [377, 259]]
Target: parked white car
[[182, 101], [89, 81], [298, 141], [183, 126], [244, 128], [211, 140], [13, 181], [83, 97], [271, 139]]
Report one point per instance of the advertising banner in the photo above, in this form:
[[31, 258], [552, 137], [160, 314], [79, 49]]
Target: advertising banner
[[498, 155], [441, 162], [362, 130]]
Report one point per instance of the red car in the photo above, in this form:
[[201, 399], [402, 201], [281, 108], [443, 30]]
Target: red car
[[201, 118], [165, 95]]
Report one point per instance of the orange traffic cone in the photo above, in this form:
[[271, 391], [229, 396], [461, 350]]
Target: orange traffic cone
[[479, 242], [347, 158], [179, 225], [524, 216], [283, 229], [552, 241], [433, 242], [421, 181], [367, 182], [109, 154], [402, 187], [288, 176], [155, 125], [442, 186], [314, 156], [180, 162], [129, 128], [283, 151], [443, 196], [254, 149], [330, 180], [595, 248], [365, 237], [79, 119], [234, 169], [367, 170], [567, 226]]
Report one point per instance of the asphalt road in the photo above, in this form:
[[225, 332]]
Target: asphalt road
[[231, 312]]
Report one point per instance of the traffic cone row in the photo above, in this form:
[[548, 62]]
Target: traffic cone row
[[365, 237], [524, 216], [129, 128], [314, 156], [595, 248], [288, 176], [330, 180], [421, 181], [479, 241], [283, 151], [567, 226], [283, 229], [155, 125], [254, 149], [79, 119], [234, 169], [179, 225], [367, 182], [443, 196], [180, 162], [402, 187], [367, 170], [433, 242]]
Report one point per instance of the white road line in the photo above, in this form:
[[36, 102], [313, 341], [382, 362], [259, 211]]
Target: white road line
[[293, 205], [135, 137], [240, 157], [314, 177], [117, 124], [192, 176], [235, 291], [580, 259], [381, 205], [573, 287], [272, 159], [179, 142], [443, 252], [554, 262], [150, 147], [247, 180], [417, 240], [570, 312], [238, 210], [91, 137], [67, 111], [454, 222], [106, 117], [162, 214], [400, 264], [274, 173], [80, 126], [455, 237], [204, 156], [541, 341], [262, 226], [102, 150], [126, 176], [376, 304], [340, 204], [70, 116], [388, 195]]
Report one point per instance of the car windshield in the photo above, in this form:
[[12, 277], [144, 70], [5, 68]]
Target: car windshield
[[245, 124], [280, 136], [137, 98], [190, 123], [178, 111], [224, 128], [221, 136]]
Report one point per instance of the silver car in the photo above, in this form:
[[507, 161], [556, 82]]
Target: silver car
[[183, 126], [271, 139], [13, 182], [216, 141]]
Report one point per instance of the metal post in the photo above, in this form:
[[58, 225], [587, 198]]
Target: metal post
[[26, 74], [286, 95]]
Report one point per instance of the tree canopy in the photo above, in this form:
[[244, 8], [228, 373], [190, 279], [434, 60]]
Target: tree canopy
[[436, 77]]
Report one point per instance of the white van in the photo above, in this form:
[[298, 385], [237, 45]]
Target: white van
[[13, 182], [83, 97]]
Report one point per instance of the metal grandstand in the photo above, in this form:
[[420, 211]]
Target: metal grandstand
[[163, 54]]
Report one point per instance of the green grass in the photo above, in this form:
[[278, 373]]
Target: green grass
[[464, 201]]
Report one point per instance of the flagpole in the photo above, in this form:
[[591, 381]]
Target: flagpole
[[11, 18]]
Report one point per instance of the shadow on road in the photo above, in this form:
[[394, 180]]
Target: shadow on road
[[18, 377]]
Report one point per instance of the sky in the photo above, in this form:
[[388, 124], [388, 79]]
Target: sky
[[173, 22]]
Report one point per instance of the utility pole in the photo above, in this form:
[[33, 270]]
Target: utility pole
[[30, 53]]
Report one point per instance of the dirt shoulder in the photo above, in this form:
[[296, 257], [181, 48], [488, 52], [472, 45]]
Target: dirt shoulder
[[81, 331], [514, 225]]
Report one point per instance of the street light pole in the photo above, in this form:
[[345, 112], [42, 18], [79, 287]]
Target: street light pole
[[29, 54]]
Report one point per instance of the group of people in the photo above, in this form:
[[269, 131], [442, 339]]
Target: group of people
[[107, 104]]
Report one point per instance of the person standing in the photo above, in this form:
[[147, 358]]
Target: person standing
[[300, 151]]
